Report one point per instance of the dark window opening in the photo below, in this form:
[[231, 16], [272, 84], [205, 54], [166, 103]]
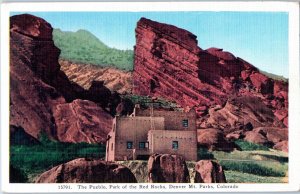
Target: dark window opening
[[142, 145], [175, 145], [185, 123], [129, 144]]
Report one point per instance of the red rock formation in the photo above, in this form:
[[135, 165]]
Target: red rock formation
[[83, 74], [166, 65], [239, 112], [270, 136], [81, 121], [169, 64], [82, 170], [166, 168], [213, 139], [256, 137], [208, 171], [39, 91], [262, 83], [283, 146]]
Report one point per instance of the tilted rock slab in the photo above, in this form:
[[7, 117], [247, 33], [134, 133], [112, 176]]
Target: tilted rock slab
[[168, 63], [42, 99], [83, 170], [167, 168], [208, 171]]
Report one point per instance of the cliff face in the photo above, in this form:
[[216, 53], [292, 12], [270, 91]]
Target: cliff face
[[166, 65], [41, 96], [169, 64]]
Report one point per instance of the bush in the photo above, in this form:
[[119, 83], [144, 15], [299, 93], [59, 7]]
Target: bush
[[204, 154], [248, 146], [41, 157], [17, 175]]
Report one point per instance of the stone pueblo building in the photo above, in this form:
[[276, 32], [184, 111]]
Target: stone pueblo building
[[151, 131]]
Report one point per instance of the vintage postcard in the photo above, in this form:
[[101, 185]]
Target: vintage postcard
[[150, 97]]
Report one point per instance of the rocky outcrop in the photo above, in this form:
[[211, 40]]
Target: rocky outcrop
[[269, 136], [255, 137], [83, 74], [83, 170], [32, 46], [208, 171], [81, 121], [41, 95], [169, 64], [242, 113], [283, 146], [213, 139], [167, 168]]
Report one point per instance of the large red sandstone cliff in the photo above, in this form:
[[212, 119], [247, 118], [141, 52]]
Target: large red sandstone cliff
[[227, 92], [169, 64], [42, 99]]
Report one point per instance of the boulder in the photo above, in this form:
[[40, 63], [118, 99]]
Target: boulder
[[208, 171], [84, 170], [167, 168], [256, 137], [262, 83], [221, 54], [283, 146], [273, 134], [213, 139]]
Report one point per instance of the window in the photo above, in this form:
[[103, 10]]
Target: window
[[175, 145], [129, 144], [112, 146], [185, 123], [142, 145]]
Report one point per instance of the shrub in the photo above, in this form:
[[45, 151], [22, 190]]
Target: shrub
[[204, 154], [40, 157], [17, 175]]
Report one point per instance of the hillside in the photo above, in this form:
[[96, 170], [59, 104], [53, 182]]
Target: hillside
[[84, 74], [83, 47]]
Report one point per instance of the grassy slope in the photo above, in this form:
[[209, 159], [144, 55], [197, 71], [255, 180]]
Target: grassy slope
[[253, 164], [84, 47]]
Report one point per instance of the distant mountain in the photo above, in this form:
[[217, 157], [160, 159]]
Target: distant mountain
[[83, 47]]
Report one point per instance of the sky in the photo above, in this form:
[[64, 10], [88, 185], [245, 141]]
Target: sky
[[260, 38]]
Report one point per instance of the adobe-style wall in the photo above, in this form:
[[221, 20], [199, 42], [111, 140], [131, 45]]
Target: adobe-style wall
[[173, 119], [133, 129], [110, 144], [160, 141]]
